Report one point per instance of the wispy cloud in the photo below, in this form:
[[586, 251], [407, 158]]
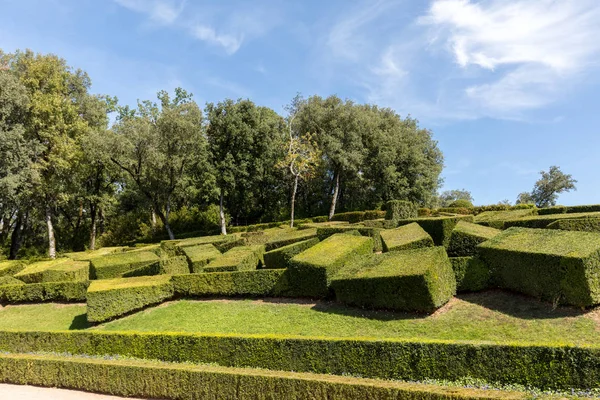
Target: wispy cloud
[[230, 43], [164, 12]]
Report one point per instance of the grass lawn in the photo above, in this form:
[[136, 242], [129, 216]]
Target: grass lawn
[[43, 317]]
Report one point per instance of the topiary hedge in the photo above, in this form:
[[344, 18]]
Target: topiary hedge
[[583, 208], [413, 280], [586, 224], [550, 366], [206, 240], [395, 210], [439, 228], [199, 256], [466, 236], [406, 237], [42, 292], [374, 233], [552, 210], [280, 257], [88, 255], [542, 221], [60, 270], [9, 280], [174, 265], [11, 267], [310, 272], [359, 216], [244, 258], [472, 274], [495, 219], [115, 265], [461, 203], [291, 237], [111, 298], [270, 282], [554, 265]]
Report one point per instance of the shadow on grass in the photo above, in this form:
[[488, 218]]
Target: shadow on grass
[[80, 322], [377, 315], [519, 305]]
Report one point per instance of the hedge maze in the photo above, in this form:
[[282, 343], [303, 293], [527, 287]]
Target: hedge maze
[[394, 262]]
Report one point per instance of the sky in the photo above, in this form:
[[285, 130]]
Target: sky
[[508, 87]]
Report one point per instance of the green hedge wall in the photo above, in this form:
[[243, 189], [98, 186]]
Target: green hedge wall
[[587, 224], [115, 265], [472, 274], [9, 280], [554, 265], [42, 292], [310, 272], [174, 265], [495, 219], [466, 236], [11, 267], [206, 240], [412, 280], [358, 216], [271, 282], [406, 237], [439, 228], [374, 233], [556, 367], [291, 237], [380, 223], [400, 209], [542, 221], [280, 257], [59, 270], [90, 254], [244, 258], [199, 256], [583, 208], [111, 298], [193, 382], [552, 210]]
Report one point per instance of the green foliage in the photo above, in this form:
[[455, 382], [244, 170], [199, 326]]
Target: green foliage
[[290, 238], [584, 208], [439, 228], [89, 255], [542, 221], [495, 219], [199, 256], [62, 269], [406, 237], [461, 203], [466, 236], [463, 196], [456, 210], [471, 273], [151, 379], [47, 291], [205, 240], [584, 224], [372, 232], [395, 210], [358, 216], [413, 280], [310, 272], [239, 283], [554, 265], [11, 267], [115, 265], [174, 265], [9, 280], [550, 185], [553, 210], [243, 258], [281, 256], [111, 298]]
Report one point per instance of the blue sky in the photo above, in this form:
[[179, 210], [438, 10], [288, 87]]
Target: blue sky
[[509, 87]]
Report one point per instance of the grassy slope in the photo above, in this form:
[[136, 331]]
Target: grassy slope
[[43, 317]]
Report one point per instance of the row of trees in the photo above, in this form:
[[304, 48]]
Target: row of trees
[[68, 175]]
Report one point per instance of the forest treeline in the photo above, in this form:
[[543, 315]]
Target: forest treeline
[[78, 169]]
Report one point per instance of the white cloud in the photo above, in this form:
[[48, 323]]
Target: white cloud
[[230, 43], [164, 12]]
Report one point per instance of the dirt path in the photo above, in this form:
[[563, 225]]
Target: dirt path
[[17, 392]]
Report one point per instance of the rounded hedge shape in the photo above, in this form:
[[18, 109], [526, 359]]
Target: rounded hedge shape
[[461, 203]]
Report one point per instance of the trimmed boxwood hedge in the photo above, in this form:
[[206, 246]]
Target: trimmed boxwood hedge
[[280, 257], [586, 224], [556, 367], [542, 221], [88, 255], [60, 270], [439, 228], [310, 272], [111, 298], [395, 210], [554, 265], [174, 265], [583, 208], [206, 240], [358, 216], [406, 237], [413, 280], [466, 236], [472, 274], [244, 258], [271, 282], [291, 237], [9, 280], [552, 210], [115, 265], [154, 379], [380, 223], [495, 219], [11, 267], [42, 292], [199, 256], [374, 233]]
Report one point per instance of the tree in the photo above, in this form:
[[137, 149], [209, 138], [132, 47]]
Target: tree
[[450, 196], [525, 198], [550, 185], [157, 145]]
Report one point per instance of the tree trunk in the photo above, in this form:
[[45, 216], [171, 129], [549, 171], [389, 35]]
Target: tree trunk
[[93, 212], [222, 215], [336, 191], [165, 222], [153, 221], [51, 239], [292, 206], [17, 236]]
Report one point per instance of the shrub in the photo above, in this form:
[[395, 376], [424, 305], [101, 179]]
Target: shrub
[[62, 269], [380, 223], [291, 237], [439, 228], [9, 280], [456, 210], [310, 272], [240, 283], [466, 236], [554, 265], [552, 210], [229, 244], [174, 265], [542, 221], [111, 298], [358, 216], [199, 256], [88, 255], [583, 209], [424, 212], [205, 240], [413, 280], [41, 292], [400, 209], [406, 237], [461, 203], [115, 265], [495, 219], [471, 273], [585, 224], [373, 233], [280, 257], [245, 258], [11, 267]]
